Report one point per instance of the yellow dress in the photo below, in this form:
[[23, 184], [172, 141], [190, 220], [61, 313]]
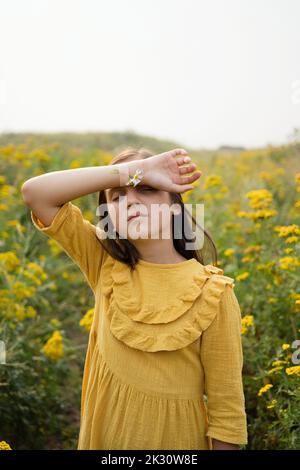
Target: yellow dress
[[163, 367]]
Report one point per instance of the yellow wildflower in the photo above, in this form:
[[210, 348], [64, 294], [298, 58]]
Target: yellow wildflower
[[9, 260], [23, 312], [55, 247], [6, 190], [8, 149], [87, 319], [294, 370], [4, 446], [270, 177], [259, 198], [292, 239], [65, 275], [247, 259], [278, 280], [253, 248], [185, 197], [247, 321], [106, 158], [32, 277], [289, 263], [242, 276], [75, 164], [275, 369], [287, 230], [265, 266], [285, 346], [40, 155], [264, 389], [264, 175], [54, 346], [20, 312], [229, 252], [31, 312], [213, 180], [22, 291], [272, 404], [37, 269], [260, 214], [278, 363], [223, 189]]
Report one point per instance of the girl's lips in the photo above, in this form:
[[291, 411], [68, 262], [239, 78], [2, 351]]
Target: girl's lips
[[133, 216]]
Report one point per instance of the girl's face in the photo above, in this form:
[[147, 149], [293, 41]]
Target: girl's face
[[153, 205]]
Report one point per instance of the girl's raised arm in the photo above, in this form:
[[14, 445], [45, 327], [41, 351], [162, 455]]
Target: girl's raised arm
[[49, 196], [46, 193], [52, 212]]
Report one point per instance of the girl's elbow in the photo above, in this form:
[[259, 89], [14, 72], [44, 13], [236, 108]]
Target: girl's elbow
[[26, 192], [29, 191]]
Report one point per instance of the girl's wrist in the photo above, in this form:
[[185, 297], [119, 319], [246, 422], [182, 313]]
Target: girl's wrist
[[134, 172]]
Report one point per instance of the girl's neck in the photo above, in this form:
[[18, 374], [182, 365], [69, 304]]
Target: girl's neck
[[158, 251]]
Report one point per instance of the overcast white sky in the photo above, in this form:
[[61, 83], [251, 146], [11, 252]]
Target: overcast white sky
[[202, 72]]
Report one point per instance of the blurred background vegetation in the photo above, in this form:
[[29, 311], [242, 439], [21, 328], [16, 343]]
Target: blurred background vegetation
[[252, 210]]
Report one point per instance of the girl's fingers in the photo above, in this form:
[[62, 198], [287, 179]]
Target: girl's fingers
[[178, 152], [187, 169], [173, 152], [183, 160], [182, 188], [191, 178]]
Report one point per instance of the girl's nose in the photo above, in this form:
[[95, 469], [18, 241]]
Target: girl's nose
[[132, 196]]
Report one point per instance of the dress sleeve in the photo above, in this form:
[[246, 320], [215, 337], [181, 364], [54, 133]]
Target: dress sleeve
[[77, 238], [222, 359]]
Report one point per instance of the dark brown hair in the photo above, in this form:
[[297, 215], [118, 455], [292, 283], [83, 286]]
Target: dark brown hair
[[123, 250]]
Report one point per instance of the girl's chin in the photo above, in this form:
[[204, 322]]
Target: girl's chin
[[137, 230], [138, 234]]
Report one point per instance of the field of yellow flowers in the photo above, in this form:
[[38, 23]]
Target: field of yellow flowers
[[252, 209]]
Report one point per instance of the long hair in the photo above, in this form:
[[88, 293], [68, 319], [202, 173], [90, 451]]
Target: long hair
[[123, 250]]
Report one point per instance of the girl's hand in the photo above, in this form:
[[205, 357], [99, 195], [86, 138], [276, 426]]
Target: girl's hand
[[166, 172], [220, 445]]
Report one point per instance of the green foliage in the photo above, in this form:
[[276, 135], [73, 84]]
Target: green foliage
[[40, 395]]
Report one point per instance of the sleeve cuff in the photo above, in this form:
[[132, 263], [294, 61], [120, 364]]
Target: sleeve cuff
[[231, 439], [59, 218]]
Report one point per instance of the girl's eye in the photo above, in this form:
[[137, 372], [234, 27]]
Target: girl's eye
[[115, 197], [142, 188]]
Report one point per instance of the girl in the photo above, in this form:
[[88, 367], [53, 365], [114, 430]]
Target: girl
[[163, 367]]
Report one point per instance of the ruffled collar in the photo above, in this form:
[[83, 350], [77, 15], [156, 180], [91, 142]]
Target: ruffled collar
[[161, 306]]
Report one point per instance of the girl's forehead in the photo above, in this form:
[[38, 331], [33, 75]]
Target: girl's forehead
[[122, 188], [113, 190]]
